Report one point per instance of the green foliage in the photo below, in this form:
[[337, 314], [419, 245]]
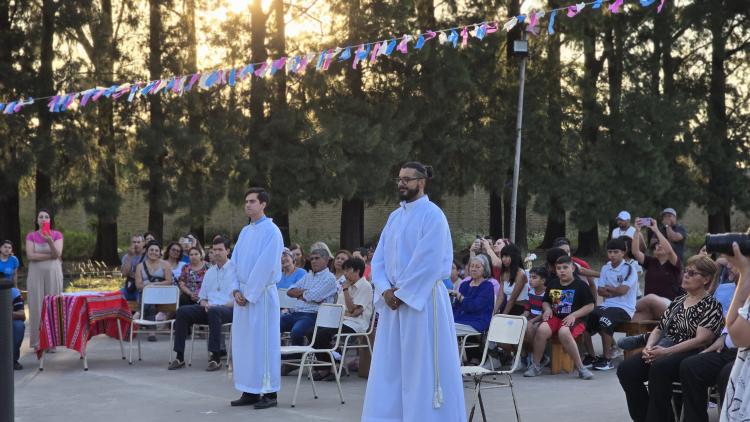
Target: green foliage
[[78, 245]]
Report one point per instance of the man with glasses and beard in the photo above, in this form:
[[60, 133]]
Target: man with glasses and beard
[[415, 372]]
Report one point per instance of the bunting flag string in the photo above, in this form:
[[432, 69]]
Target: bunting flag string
[[359, 54]]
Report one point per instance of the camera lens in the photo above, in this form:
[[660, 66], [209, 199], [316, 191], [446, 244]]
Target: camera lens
[[722, 243]]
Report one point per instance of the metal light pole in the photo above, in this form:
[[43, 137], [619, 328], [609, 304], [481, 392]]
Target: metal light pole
[[520, 47], [6, 350]]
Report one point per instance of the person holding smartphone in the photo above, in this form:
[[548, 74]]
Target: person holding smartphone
[[44, 248]]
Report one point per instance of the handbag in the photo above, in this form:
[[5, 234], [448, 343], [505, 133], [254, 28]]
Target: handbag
[[665, 341], [130, 286]]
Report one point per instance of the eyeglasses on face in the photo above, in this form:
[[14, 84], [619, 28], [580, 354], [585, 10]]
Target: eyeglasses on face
[[405, 180], [693, 273]]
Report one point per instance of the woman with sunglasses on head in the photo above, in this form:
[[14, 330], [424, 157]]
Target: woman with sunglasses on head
[[44, 248], [692, 322], [153, 270]]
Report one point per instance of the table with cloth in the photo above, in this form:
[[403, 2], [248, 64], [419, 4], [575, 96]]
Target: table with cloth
[[70, 320]]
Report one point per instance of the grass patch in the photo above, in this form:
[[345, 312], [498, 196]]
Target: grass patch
[[95, 284]]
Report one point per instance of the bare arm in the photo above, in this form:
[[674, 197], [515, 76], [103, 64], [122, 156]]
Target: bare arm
[[635, 248], [139, 276], [585, 310], [168, 278], [352, 309], [494, 259], [56, 247], [664, 243], [32, 255], [703, 337], [518, 285], [674, 236]]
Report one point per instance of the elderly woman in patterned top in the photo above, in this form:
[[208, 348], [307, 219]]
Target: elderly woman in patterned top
[[691, 323]]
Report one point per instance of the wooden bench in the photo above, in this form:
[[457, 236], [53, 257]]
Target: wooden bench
[[633, 328], [560, 359]]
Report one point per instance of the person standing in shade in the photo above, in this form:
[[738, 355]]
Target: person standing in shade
[[415, 373], [256, 337], [44, 248]]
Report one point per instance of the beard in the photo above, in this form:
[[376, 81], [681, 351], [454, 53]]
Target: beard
[[408, 194]]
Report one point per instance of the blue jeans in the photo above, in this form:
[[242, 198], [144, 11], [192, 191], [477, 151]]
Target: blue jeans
[[18, 330], [299, 324], [131, 297]]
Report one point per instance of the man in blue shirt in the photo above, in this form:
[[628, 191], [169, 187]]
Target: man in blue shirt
[[19, 316]]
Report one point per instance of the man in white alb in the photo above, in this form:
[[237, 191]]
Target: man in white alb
[[256, 340], [415, 373]]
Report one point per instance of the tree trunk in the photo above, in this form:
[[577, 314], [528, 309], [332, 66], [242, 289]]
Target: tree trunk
[[352, 232], [44, 150], [10, 222], [352, 224], [556, 224], [719, 176], [258, 55], [496, 215], [156, 196], [195, 117], [107, 202], [588, 236], [281, 212], [588, 241]]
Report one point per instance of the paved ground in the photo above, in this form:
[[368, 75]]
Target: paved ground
[[114, 391]]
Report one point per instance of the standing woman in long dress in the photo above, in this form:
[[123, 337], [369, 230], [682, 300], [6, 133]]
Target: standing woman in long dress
[[44, 252]]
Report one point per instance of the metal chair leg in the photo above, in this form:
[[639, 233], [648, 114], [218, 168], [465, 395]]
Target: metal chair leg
[[192, 345], [132, 329], [481, 407], [513, 394], [119, 337], [336, 374], [299, 378]]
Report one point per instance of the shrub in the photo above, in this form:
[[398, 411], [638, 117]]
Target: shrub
[[78, 245]]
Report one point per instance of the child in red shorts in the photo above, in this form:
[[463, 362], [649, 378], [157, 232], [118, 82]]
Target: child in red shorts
[[567, 301]]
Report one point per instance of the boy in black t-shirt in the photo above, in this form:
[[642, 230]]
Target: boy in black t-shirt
[[567, 301]]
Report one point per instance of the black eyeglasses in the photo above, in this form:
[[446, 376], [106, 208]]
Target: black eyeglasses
[[405, 180], [693, 273]]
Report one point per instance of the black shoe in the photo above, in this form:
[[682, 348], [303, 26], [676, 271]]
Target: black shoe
[[588, 361], [246, 400], [603, 364], [266, 402], [632, 342], [17, 366]]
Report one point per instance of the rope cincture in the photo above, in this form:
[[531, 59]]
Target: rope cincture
[[437, 400]]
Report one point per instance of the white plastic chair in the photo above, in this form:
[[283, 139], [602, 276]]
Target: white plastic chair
[[329, 316], [348, 336], [155, 295], [504, 329], [226, 330]]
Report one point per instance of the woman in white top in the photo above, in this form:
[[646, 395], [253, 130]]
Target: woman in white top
[[338, 270], [356, 296], [515, 294], [173, 255]]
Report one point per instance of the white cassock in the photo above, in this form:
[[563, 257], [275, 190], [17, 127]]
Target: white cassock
[[415, 373], [256, 339]]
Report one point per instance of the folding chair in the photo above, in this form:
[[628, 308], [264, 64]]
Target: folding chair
[[204, 327], [286, 302], [348, 336], [505, 329], [462, 337], [329, 316], [154, 295]]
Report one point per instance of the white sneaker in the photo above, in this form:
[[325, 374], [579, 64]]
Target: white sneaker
[[615, 352], [584, 373], [533, 371], [161, 316]]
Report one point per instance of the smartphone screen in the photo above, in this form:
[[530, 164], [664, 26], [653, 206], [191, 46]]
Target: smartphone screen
[[46, 228]]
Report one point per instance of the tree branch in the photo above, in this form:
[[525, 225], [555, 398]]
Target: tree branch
[[82, 39]]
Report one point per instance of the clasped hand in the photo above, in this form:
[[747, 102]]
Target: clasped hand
[[390, 298], [651, 353]]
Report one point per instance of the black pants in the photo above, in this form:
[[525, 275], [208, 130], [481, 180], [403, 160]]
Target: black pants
[[197, 314], [652, 404], [697, 374], [324, 337]]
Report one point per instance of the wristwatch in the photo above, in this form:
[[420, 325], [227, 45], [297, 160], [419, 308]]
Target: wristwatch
[[344, 289]]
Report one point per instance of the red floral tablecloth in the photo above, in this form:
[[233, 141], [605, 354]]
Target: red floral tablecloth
[[71, 320]]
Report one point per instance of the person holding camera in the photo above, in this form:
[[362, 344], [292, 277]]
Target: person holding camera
[[736, 405], [675, 233]]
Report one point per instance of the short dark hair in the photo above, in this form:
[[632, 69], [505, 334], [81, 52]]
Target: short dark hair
[[617, 244], [169, 249], [263, 196], [146, 234], [6, 242], [423, 170], [541, 272], [293, 246], [565, 259], [560, 241], [153, 243], [221, 240], [362, 250], [356, 264], [553, 254]]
